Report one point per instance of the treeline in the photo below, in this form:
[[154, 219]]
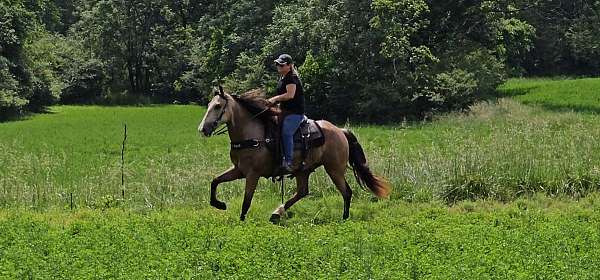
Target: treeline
[[376, 61]]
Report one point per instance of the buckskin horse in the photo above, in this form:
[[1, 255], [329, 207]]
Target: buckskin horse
[[249, 118]]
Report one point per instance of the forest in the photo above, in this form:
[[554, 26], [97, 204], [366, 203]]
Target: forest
[[379, 61]]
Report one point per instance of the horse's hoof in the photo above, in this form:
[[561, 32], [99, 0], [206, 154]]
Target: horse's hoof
[[219, 205], [242, 218], [275, 218]]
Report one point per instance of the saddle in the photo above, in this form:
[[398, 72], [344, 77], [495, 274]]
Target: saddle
[[309, 135]]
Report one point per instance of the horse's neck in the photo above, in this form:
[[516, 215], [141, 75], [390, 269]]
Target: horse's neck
[[243, 127]]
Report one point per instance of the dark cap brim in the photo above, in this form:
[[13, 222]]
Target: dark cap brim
[[279, 61]]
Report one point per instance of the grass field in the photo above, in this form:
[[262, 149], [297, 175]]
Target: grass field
[[579, 95], [506, 191], [538, 238]]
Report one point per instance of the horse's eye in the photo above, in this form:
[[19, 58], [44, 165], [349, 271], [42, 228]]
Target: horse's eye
[[218, 106]]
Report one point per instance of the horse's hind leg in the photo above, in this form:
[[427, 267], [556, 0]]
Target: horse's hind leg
[[337, 176], [301, 191]]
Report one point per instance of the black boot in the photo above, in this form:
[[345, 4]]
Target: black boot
[[287, 167]]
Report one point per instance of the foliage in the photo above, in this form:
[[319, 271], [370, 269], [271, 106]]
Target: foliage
[[564, 41], [25, 84], [583, 38], [373, 61], [16, 20], [10, 101]]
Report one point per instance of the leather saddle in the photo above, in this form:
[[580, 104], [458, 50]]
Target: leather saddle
[[309, 135]]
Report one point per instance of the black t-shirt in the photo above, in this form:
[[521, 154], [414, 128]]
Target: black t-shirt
[[296, 104]]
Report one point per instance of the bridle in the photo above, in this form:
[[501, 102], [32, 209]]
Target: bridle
[[223, 129], [217, 120]]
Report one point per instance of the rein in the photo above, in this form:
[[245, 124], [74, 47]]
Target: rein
[[223, 129], [247, 143]]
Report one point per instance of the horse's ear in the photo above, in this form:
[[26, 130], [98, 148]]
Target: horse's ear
[[221, 91]]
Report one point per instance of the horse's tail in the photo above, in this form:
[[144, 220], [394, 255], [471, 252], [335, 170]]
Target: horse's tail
[[379, 186]]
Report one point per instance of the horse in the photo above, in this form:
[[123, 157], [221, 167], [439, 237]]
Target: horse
[[246, 117]]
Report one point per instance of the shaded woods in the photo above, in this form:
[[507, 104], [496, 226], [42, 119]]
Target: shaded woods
[[375, 61]]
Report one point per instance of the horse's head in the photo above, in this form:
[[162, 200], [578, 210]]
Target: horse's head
[[218, 111]]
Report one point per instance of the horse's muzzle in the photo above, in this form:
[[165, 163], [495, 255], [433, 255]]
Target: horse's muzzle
[[206, 131]]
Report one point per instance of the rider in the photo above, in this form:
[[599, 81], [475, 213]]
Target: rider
[[290, 94]]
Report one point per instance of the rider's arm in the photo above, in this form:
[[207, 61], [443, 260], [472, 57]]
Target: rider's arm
[[289, 94]]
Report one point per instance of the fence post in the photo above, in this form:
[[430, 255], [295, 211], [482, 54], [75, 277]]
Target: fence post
[[123, 162]]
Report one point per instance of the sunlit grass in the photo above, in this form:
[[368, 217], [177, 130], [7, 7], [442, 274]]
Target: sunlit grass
[[501, 150], [533, 238], [581, 95], [508, 190]]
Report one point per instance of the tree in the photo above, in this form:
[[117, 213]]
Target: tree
[[375, 61], [16, 22]]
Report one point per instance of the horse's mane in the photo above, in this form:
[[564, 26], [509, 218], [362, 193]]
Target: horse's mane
[[255, 102]]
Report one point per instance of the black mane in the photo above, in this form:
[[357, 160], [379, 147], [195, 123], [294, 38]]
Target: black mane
[[255, 102]]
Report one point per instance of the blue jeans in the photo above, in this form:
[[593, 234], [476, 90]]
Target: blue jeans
[[290, 125]]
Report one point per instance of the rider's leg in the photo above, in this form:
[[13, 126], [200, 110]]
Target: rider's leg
[[290, 125]]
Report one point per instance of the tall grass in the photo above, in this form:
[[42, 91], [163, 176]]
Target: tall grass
[[500, 150]]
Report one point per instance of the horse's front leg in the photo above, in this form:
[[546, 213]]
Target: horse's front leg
[[251, 182], [231, 174]]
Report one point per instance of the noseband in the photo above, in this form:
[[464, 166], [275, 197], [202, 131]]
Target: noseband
[[217, 120]]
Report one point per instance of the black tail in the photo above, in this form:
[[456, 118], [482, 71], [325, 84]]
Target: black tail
[[379, 186]]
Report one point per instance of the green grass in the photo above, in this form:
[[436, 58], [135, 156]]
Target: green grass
[[581, 95], [78, 150], [538, 238], [509, 190], [501, 150]]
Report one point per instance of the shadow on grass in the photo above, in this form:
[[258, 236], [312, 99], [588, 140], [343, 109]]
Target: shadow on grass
[[548, 106], [512, 92], [139, 105], [590, 109], [6, 117], [15, 117]]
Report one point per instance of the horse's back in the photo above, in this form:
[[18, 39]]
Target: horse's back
[[335, 148]]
